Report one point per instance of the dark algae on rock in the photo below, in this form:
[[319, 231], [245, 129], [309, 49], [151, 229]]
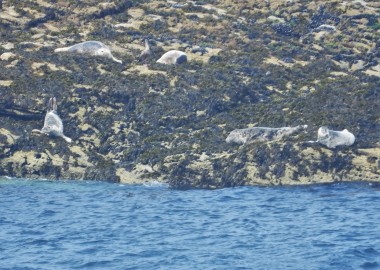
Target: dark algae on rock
[[249, 64]]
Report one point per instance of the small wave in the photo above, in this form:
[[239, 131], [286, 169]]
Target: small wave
[[369, 265], [47, 213], [155, 183], [365, 252], [93, 264]]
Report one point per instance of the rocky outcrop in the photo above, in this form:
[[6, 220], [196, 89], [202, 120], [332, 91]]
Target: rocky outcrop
[[250, 63]]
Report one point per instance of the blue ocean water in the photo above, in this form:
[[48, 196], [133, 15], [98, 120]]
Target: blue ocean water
[[99, 225]]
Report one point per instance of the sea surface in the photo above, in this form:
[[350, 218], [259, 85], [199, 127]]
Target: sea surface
[[100, 225]]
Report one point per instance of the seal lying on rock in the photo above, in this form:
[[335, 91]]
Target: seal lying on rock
[[331, 138], [94, 48], [241, 136], [173, 57], [53, 124]]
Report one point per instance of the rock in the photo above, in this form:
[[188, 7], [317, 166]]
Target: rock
[[6, 82], [283, 29], [276, 19], [252, 64], [7, 56], [359, 65], [8, 46]]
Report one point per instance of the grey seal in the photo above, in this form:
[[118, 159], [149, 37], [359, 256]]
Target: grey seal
[[93, 48], [53, 124], [146, 53], [242, 136], [332, 138], [173, 57]]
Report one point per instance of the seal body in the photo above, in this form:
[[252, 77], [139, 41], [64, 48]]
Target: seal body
[[242, 136], [53, 125], [332, 138], [93, 48], [173, 57]]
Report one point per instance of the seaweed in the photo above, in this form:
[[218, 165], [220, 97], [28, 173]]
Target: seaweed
[[120, 118]]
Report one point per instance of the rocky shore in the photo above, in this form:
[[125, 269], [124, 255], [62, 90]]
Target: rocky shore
[[250, 63]]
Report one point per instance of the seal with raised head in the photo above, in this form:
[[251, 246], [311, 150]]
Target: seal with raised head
[[93, 48], [146, 53], [173, 57], [260, 134], [332, 138], [53, 125]]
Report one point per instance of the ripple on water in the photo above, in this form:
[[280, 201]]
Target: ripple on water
[[96, 225]]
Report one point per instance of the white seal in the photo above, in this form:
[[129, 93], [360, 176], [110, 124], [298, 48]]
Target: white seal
[[53, 124], [332, 139], [93, 48], [173, 57], [242, 136]]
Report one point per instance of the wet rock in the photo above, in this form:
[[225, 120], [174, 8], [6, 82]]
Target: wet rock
[[323, 17], [284, 29]]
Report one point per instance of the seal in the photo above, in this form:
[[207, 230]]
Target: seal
[[146, 53], [332, 138], [173, 57], [53, 124], [93, 48], [242, 136]]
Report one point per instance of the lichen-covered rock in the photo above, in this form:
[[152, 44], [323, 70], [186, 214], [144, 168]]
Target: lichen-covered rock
[[252, 63]]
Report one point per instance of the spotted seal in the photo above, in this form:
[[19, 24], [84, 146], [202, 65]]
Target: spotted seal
[[242, 136], [173, 57], [332, 138], [53, 124], [94, 48]]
